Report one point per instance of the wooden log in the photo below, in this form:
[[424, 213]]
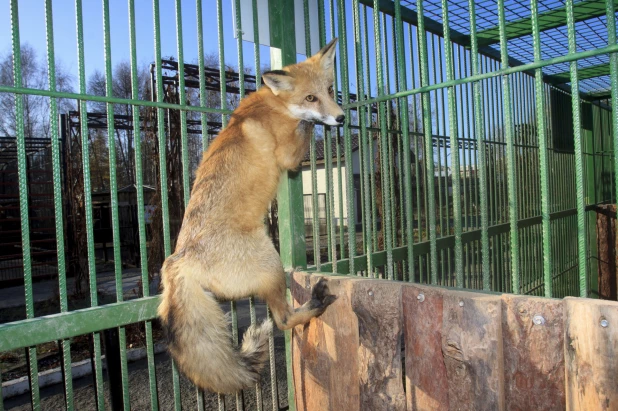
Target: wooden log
[[606, 239], [426, 377], [350, 357], [472, 349], [377, 305], [533, 337], [325, 351], [591, 354]]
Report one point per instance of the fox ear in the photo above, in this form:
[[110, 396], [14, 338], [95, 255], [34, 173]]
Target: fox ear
[[327, 55], [278, 81]]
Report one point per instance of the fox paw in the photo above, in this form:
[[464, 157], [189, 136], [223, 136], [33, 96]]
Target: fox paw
[[320, 297]]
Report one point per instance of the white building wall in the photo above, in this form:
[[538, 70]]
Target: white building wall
[[321, 179]]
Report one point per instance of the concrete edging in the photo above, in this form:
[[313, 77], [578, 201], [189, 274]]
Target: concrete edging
[[79, 369]]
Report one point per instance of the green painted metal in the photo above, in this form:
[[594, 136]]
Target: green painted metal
[[383, 141], [479, 109], [96, 338], [481, 148], [539, 91], [430, 171], [536, 65], [454, 132], [139, 185], [513, 205], [583, 73], [582, 10], [347, 137], [613, 61], [579, 160], [114, 201], [65, 345], [39, 330], [23, 202]]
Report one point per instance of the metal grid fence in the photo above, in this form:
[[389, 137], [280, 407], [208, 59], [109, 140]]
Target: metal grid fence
[[483, 146]]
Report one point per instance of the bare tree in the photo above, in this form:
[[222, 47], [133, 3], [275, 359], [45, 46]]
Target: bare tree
[[36, 108]]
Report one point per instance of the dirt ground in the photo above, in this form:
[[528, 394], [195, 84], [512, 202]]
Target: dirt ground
[[52, 398]]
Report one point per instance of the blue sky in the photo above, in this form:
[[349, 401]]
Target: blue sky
[[32, 31]]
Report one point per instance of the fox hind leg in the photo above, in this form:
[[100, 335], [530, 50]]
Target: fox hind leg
[[286, 316]]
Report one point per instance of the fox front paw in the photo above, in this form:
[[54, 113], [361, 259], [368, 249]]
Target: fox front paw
[[320, 297]]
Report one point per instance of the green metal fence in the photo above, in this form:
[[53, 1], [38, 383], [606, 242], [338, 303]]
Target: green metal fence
[[479, 141]]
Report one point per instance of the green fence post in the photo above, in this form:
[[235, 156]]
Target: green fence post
[[290, 196]]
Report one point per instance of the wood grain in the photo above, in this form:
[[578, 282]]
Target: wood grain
[[591, 354], [533, 353]]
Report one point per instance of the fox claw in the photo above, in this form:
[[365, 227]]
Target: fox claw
[[320, 297]]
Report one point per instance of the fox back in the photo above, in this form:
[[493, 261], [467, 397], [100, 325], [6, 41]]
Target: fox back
[[223, 252]]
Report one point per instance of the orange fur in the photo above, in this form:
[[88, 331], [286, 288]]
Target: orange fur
[[223, 251]]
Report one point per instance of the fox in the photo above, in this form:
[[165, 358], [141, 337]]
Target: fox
[[223, 251]]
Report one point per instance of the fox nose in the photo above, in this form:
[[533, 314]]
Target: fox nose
[[340, 119]]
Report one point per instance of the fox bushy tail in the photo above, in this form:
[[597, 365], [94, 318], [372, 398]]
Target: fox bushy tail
[[199, 340]]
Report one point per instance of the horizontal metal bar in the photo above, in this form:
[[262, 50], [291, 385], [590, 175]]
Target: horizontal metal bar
[[479, 77], [28, 333], [443, 243], [583, 73], [432, 26], [583, 10], [105, 99]]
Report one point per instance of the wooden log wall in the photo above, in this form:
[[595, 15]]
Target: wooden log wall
[[607, 247], [387, 345]]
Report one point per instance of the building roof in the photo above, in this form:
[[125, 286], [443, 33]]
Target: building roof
[[319, 148]]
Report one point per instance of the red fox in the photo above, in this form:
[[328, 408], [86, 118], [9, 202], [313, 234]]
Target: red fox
[[223, 251]]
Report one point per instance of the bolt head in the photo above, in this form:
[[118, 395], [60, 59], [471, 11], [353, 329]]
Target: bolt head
[[538, 320], [370, 293], [420, 297], [461, 303], [604, 323]]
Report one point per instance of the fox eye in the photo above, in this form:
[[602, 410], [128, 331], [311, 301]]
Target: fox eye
[[331, 91], [311, 98]]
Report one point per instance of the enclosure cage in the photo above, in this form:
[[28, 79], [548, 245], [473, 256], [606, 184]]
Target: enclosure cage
[[479, 144]]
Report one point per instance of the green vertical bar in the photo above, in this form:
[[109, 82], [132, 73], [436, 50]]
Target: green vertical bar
[[543, 154], [613, 70], [579, 161], [98, 372], [258, 75], [22, 170], [186, 173], [480, 147], [513, 206], [204, 123], [65, 345], [167, 249], [114, 199], [454, 133], [315, 218], [139, 183], [370, 152], [241, 85], [202, 79], [222, 81], [386, 200], [422, 39], [290, 195], [349, 164], [363, 141]]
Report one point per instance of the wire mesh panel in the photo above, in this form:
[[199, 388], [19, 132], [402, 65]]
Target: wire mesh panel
[[120, 139], [479, 140], [476, 151]]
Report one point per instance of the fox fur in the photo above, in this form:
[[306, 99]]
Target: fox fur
[[223, 251]]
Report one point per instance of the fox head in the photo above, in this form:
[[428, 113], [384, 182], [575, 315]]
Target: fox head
[[307, 88]]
